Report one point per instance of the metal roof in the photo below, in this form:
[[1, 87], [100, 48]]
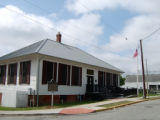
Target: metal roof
[[60, 50], [149, 78]]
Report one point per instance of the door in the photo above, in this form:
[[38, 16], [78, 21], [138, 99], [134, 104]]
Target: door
[[90, 83]]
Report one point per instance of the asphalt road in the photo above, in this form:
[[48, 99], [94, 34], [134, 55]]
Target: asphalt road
[[149, 110]]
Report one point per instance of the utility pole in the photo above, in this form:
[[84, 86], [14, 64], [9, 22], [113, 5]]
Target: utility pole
[[144, 87]]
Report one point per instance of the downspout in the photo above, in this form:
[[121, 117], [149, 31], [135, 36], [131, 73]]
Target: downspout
[[37, 85]]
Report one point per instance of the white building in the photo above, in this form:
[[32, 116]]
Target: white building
[[152, 82], [28, 70]]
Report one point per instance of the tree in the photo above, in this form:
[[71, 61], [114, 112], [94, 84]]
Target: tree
[[122, 80]]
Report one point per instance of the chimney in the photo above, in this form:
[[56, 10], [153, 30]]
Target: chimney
[[58, 37]]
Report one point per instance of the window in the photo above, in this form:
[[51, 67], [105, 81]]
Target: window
[[152, 87], [90, 72], [115, 80], [24, 76], [48, 72], [101, 78], [2, 74], [108, 79], [76, 76], [12, 73], [158, 87], [64, 74]]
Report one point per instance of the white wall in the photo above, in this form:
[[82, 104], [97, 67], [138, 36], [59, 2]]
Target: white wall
[[16, 95], [17, 86], [12, 98], [43, 89], [69, 90], [140, 84]]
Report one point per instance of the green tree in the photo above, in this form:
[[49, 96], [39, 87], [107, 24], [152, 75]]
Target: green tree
[[122, 81]]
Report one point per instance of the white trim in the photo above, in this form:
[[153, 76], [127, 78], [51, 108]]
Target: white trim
[[57, 72], [71, 76], [18, 70]]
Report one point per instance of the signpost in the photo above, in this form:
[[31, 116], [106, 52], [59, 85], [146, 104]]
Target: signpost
[[52, 86]]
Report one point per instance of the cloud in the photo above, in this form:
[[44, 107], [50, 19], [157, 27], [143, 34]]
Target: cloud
[[85, 30], [22, 28], [140, 6], [17, 31], [119, 51], [82, 31]]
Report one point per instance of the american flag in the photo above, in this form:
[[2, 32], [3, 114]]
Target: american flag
[[136, 53]]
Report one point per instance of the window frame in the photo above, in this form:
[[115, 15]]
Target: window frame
[[67, 74], [44, 68], [21, 72], [73, 81], [9, 74], [3, 75]]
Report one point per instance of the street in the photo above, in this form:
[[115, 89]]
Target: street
[[149, 110]]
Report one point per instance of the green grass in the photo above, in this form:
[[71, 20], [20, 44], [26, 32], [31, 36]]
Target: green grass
[[150, 94], [74, 103], [45, 107], [22, 109], [115, 104]]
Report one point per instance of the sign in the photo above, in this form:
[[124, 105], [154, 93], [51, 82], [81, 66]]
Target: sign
[[52, 86]]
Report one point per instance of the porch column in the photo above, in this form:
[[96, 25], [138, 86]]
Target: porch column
[[57, 72], [111, 79], [71, 76], [118, 80], [6, 80], [18, 70], [156, 87]]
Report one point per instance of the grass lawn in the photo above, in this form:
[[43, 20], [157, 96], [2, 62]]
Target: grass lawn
[[22, 109], [150, 94], [115, 104], [45, 107]]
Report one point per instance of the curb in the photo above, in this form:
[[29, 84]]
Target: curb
[[99, 110], [127, 104], [36, 114]]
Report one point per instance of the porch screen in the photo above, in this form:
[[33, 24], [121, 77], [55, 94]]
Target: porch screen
[[12, 73], [108, 79], [76, 76], [64, 74], [101, 78], [115, 80], [49, 71], [2, 74], [24, 75]]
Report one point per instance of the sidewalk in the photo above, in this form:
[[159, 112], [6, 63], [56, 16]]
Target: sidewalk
[[79, 109]]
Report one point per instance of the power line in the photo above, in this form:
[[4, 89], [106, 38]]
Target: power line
[[67, 35], [112, 28], [152, 33], [42, 9]]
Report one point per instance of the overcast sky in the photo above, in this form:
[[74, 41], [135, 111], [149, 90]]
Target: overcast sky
[[99, 27]]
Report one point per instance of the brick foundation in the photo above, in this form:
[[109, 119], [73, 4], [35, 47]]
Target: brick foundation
[[46, 99]]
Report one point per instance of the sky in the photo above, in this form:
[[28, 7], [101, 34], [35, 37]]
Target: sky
[[108, 29]]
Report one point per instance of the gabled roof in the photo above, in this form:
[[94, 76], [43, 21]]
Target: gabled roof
[[60, 50], [149, 78]]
